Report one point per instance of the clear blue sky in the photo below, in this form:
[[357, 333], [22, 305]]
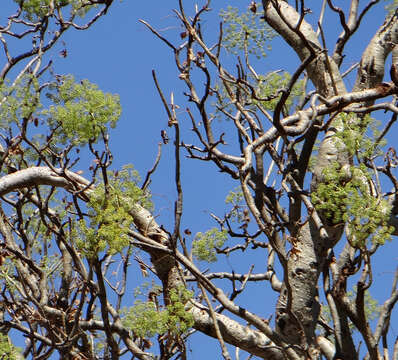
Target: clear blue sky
[[118, 53]]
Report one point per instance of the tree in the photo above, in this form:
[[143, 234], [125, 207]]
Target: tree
[[315, 192]]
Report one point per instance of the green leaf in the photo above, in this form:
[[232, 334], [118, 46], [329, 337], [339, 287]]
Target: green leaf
[[81, 112], [246, 28], [204, 244], [108, 213]]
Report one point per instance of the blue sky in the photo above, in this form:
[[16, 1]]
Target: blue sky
[[118, 53]]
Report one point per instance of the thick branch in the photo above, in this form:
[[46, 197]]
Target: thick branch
[[283, 18], [35, 176], [371, 69]]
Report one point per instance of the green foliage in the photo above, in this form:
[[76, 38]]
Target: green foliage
[[50, 264], [35, 10], [108, 211], [178, 319], [235, 197], [146, 288], [35, 230], [372, 308], [18, 101], [345, 194], [7, 349], [392, 7], [204, 244], [236, 200], [146, 320], [348, 200], [245, 29], [330, 196], [354, 138], [7, 270], [269, 85], [81, 112]]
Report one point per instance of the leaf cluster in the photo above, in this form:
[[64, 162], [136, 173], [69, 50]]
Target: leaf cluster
[[354, 137], [245, 29], [36, 10], [144, 319], [109, 213], [372, 308], [7, 275], [341, 200], [7, 349], [266, 86], [392, 6], [345, 195], [235, 197], [19, 100], [204, 244], [81, 112], [271, 83]]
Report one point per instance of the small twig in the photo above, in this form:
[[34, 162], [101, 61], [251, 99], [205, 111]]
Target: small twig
[[321, 16], [351, 68], [152, 170], [224, 350], [157, 34], [166, 106], [329, 67], [179, 202]]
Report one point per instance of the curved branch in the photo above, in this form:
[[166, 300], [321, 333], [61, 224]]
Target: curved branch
[[253, 341], [371, 69], [39, 175], [283, 18], [297, 123]]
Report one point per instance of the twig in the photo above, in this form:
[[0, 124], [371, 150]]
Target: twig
[[224, 350], [152, 170]]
